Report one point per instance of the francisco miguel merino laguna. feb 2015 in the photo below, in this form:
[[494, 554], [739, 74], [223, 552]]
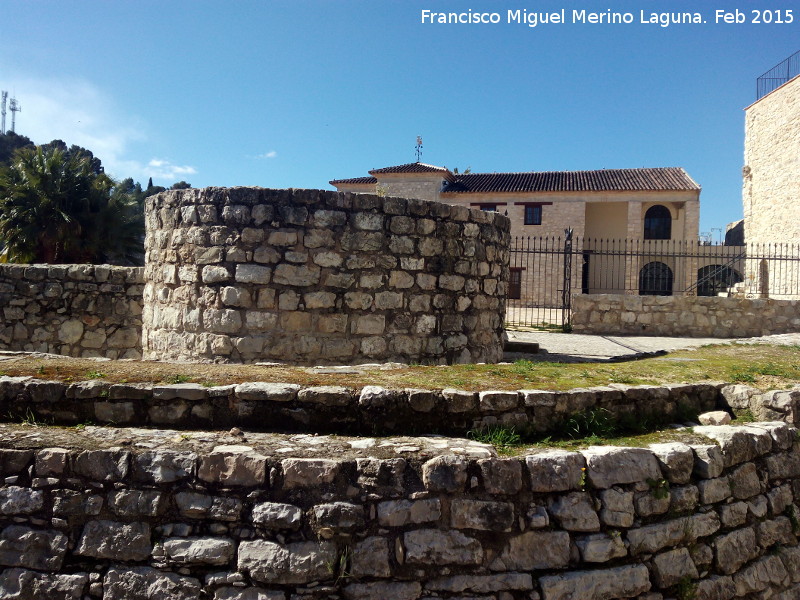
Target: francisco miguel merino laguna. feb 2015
[[608, 17]]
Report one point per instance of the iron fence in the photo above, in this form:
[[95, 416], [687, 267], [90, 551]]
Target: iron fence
[[546, 271], [778, 75]]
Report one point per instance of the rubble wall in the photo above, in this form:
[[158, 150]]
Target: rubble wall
[[710, 517], [684, 316], [75, 310], [316, 277], [371, 410]]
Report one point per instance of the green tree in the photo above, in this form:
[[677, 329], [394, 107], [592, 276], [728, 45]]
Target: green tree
[[56, 208], [9, 142], [181, 185]]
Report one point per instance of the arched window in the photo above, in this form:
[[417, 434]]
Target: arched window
[[655, 279], [713, 279], [657, 223]]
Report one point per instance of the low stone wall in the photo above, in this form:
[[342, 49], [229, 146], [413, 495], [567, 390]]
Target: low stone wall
[[168, 517], [693, 316], [75, 310], [316, 277], [260, 406]]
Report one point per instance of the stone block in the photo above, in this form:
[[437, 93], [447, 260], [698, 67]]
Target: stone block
[[370, 558], [446, 473], [233, 465], [338, 516], [575, 512], [501, 476], [199, 550], [676, 461], [22, 584], [267, 392], [434, 546], [164, 466], [275, 515], [144, 583], [307, 472], [115, 541], [534, 550], [482, 515], [620, 582], [607, 465], [600, 547], [398, 513], [102, 465], [22, 546], [399, 590], [673, 566], [555, 471]]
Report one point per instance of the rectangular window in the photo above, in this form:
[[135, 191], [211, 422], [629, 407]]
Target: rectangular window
[[515, 283], [489, 207], [533, 214]]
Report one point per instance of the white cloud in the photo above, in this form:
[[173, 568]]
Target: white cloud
[[164, 170], [78, 112], [270, 154]]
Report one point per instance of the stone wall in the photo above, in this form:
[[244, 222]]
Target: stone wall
[[770, 187], [371, 410], [692, 316], [705, 518], [250, 274], [75, 310]]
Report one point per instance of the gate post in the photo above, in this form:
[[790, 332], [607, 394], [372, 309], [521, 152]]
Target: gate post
[[566, 290]]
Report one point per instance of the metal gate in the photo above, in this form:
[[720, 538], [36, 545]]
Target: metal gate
[[540, 282]]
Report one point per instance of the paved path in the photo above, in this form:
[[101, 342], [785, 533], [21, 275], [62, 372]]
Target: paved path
[[577, 347]]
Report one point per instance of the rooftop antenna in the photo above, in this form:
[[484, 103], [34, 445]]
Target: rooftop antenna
[[14, 107], [3, 112], [417, 148]]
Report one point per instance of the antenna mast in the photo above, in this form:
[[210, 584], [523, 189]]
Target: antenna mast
[[418, 147], [14, 107], [3, 112]]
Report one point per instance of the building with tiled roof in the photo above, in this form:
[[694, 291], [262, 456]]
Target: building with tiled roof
[[645, 203]]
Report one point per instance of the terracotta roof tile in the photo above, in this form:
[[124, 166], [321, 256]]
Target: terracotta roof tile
[[416, 167], [354, 180], [654, 179]]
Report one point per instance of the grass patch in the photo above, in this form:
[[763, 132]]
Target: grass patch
[[504, 439], [764, 366]]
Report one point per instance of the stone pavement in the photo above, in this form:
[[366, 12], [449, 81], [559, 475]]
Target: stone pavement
[[576, 347]]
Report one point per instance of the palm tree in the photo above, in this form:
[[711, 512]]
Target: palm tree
[[54, 208]]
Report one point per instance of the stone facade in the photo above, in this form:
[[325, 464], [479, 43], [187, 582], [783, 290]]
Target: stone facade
[[691, 316], [75, 310], [170, 518], [772, 184], [330, 409], [306, 276]]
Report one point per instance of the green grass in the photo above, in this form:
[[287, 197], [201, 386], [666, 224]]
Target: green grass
[[504, 439], [174, 379]]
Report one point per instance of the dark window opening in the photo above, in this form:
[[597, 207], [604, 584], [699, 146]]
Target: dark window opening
[[657, 223], [655, 279], [488, 207], [715, 279], [515, 284], [533, 215]]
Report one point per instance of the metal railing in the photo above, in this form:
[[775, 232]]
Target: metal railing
[[778, 75], [545, 271]]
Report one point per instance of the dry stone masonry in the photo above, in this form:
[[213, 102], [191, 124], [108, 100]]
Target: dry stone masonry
[[75, 310], [307, 276], [127, 514], [691, 316], [372, 409]]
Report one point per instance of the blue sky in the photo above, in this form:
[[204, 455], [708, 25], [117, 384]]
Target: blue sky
[[296, 93]]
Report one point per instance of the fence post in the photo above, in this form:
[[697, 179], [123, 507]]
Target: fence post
[[566, 290]]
